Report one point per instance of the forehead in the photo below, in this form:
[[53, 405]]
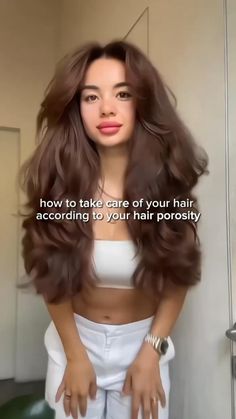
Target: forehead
[[105, 71]]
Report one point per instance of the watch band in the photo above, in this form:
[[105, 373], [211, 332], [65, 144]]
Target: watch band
[[156, 342]]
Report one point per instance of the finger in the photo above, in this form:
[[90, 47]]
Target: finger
[[60, 390], [82, 405], [136, 401], [155, 409], [66, 405], [93, 390], [74, 406], [162, 397], [127, 386], [146, 406]]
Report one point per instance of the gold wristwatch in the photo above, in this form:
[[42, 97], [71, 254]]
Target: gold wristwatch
[[160, 344]]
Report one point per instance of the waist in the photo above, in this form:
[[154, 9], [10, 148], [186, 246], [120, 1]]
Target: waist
[[114, 306], [117, 329]]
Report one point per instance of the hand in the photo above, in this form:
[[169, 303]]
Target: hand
[[79, 381], [143, 381]]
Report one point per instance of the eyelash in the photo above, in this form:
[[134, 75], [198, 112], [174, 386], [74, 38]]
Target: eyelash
[[87, 97]]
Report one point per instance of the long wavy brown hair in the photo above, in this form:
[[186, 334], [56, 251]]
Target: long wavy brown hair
[[164, 163]]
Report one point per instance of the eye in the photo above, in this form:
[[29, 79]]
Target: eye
[[126, 93], [87, 98]]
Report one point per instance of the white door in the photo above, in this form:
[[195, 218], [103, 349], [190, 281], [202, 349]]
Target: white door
[[9, 163], [231, 158], [23, 317]]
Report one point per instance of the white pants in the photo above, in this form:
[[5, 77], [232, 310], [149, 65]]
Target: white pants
[[111, 349]]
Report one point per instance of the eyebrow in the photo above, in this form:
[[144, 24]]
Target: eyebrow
[[92, 86]]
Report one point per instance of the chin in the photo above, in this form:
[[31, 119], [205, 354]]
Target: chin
[[109, 142]]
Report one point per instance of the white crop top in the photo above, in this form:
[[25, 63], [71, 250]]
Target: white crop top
[[114, 262]]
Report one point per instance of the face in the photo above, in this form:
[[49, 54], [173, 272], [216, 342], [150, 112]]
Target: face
[[105, 102]]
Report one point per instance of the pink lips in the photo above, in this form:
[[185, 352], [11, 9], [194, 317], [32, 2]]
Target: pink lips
[[109, 130]]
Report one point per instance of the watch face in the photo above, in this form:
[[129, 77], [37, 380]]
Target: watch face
[[164, 346]]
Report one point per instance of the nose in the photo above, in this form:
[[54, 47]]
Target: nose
[[107, 107]]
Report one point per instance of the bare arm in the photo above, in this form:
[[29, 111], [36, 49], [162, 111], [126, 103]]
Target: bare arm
[[166, 317], [63, 318], [168, 310]]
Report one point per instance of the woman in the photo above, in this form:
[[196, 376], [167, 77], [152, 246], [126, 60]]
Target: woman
[[114, 274]]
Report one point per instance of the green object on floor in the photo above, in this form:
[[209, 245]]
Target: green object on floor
[[26, 407]]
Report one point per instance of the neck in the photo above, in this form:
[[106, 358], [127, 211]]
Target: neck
[[113, 162]]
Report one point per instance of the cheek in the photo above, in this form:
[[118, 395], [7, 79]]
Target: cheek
[[88, 118], [129, 113], [130, 116]]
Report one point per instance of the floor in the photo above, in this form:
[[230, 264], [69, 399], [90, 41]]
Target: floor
[[10, 389]]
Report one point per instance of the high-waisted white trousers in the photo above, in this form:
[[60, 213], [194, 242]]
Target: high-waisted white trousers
[[111, 349]]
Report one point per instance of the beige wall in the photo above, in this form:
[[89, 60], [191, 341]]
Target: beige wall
[[28, 42], [89, 20]]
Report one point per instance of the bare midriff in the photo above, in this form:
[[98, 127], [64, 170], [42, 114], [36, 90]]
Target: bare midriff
[[114, 306]]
